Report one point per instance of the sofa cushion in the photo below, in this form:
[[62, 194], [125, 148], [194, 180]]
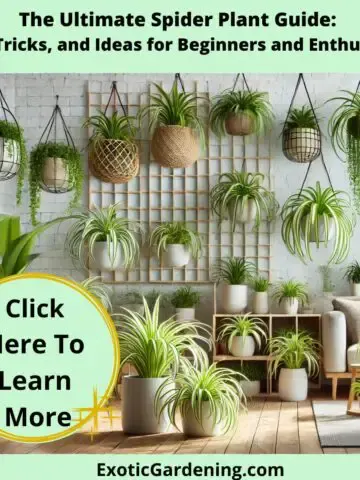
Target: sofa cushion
[[350, 306]]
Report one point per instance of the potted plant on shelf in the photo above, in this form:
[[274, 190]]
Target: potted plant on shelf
[[177, 130], [344, 129], [133, 300], [352, 275], [243, 333], [241, 197], [114, 154], [234, 274], [316, 215], [102, 293], [288, 294], [241, 113], [56, 168], [157, 352], [297, 355], [261, 297], [208, 398], [252, 375], [13, 155], [185, 299], [301, 135], [176, 243], [110, 240]]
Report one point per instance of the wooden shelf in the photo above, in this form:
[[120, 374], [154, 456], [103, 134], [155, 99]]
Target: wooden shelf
[[229, 358], [270, 315]]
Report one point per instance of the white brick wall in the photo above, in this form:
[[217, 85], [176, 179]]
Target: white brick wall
[[33, 96]]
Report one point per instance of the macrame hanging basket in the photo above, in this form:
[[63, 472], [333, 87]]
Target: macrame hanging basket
[[114, 161], [301, 145], [10, 153], [175, 147]]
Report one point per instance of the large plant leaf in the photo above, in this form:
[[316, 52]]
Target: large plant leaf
[[9, 230]]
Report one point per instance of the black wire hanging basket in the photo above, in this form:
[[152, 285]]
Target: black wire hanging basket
[[10, 148]]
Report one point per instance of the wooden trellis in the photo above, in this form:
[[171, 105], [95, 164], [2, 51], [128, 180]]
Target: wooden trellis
[[161, 194]]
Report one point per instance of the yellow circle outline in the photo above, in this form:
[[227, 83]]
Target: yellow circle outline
[[116, 367]]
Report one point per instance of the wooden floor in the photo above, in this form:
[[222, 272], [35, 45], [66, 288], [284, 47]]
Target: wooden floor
[[269, 427]]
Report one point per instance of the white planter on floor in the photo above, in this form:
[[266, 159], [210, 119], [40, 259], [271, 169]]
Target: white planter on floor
[[242, 346], [234, 298], [260, 303], [205, 428], [353, 355], [289, 306], [185, 314], [9, 158], [246, 215], [102, 259], [176, 256], [293, 384], [355, 289], [138, 406], [334, 341], [251, 388]]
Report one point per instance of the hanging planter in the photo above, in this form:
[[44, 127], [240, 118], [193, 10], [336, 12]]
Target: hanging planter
[[13, 155], [114, 154], [177, 130], [301, 136], [240, 112], [55, 167], [344, 129]]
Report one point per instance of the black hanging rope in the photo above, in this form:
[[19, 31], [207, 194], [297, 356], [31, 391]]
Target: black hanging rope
[[244, 80], [179, 80], [7, 111], [52, 125]]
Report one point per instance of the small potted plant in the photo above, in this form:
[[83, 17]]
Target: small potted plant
[[252, 375], [176, 243], [97, 289], [316, 215], [352, 275], [288, 294], [241, 113], [234, 274], [208, 398], [240, 197], [301, 135], [56, 168], [110, 240], [133, 301], [114, 154], [260, 286], [177, 129], [297, 355], [243, 333], [157, 351], [13, 155], [185, 299]]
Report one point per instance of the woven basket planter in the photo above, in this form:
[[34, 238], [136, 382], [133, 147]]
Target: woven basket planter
[[114, 161], [301, 145], [239, 125], [175, 147]]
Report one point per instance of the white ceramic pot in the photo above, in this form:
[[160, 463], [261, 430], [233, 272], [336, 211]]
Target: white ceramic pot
[[355, 289], [334, 341], [102, 259], [234, 298], [312, 236], [260, 303], [289, 306], [55, 174], [251, 388], [206, 428], [353, 355], [245, 215], [301, 145], [242, 346], [138, 406], [185, 314], [293, 384], [176, 256], [9, 158]]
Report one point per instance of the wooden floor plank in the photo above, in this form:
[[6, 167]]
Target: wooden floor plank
[[287, 441], [308, 436], [266, 432], [242, 440]]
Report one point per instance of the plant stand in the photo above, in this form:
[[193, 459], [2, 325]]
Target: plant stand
[[355, 374]]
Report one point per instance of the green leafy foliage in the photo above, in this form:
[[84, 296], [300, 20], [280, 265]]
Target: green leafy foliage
[[233, 271], [11, 131], [327, 283], [352, 273], [95, 287], [301, 118], [185, 297], [115, 127], [290, 289], [260, 284], [74, 168], [303, 215], [243, 326], [254, 104], [231, 196], [174, 233], [103, 225], [252, 371]]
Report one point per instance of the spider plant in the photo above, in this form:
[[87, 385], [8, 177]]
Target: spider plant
[[355, 388], [185, 297], [344, 129], [157, 349], [290, 289], [352, 273], [176, 233], [206, 396], [233, 271], [103, 225], [97, 289], [252, 104], [295, 350], [241, 197], [301, 118], [312, 216], [115, 127], [243, 326], [260, 284]]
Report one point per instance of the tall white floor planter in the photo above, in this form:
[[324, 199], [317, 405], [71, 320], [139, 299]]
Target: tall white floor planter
[[103, 260], [251, 388], [293, 384], [242, 346], [260, 303], [176, 256], [206, 428], [234, 298], [138, 406]]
